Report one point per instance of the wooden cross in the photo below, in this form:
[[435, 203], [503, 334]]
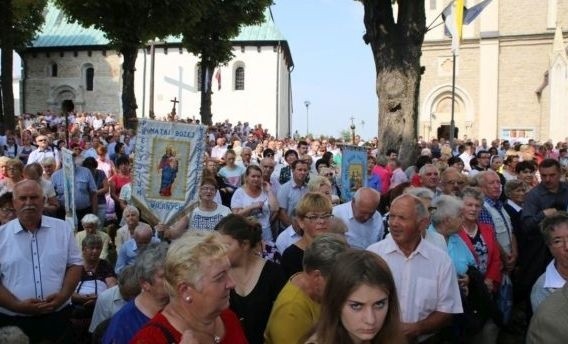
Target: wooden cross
[[352, 121], [175, 101]]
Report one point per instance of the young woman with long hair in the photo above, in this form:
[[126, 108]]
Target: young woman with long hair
[[359, 304]]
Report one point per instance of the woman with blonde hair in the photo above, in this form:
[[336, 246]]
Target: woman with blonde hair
[[359, 304], [197, 278], [314, 216], [14, 174]]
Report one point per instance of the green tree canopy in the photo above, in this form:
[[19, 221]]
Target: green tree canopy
[[20, 21], [129, 25]]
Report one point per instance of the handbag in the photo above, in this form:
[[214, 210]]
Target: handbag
[[479, 305], [505, 298]]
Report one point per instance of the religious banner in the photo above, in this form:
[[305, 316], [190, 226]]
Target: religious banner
[[69, 187], [353, 170], [167, 168]]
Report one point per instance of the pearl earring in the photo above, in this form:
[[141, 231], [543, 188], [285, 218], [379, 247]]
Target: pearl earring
[[188, 298]]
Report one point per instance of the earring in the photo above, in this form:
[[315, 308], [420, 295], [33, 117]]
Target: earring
[[188, 298]]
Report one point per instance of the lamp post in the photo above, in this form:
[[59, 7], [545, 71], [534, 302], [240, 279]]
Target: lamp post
[[152, 67], [307, 103]]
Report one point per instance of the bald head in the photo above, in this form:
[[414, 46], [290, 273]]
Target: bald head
[[365, 203]]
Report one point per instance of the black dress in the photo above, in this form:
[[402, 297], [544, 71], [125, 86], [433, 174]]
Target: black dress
[[292, 260], [254, 309]]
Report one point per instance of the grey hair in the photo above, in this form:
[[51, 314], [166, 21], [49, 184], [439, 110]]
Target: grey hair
[[13, 335], [321, 253], [149, 261], [48, 160], [549, 224], [131, 209], [92, 240], [512, 185], [382, 160], [427, 167], [90, 219], [316, 182], [419, 207], [446, 207], [479, 179], [473, 192], [420, 192]]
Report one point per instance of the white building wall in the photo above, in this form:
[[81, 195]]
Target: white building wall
[[176, 76]]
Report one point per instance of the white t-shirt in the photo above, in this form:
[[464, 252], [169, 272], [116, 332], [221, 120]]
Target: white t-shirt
[[206, 220], [242, 200]]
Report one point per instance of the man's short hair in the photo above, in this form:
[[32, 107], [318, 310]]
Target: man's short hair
[[550, 223], [296, 162], [546, 163]]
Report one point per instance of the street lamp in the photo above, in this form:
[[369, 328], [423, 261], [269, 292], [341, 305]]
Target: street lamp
[[307, 103]]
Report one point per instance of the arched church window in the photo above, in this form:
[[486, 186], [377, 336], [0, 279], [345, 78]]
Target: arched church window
[[89, 78], [240, 78]]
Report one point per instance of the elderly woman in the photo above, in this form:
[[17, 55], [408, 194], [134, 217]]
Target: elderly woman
[[91, 225], [14, 174], [7, 211], [97, 276], [297, 308], [48, 164], [257, 281], [3, 170], [197, 278], [447, 220], [313, 213], [206, 214], [152, 297], [132, 219]]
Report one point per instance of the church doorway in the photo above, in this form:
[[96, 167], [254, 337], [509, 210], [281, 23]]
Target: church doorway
[[443, 132]]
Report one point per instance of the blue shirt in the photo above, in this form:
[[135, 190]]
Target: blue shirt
[[125, 324], [461, 256], [128, 252], [84, 186]]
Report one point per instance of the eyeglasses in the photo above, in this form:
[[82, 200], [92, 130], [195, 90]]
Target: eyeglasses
[[558, 242], [41, 140], [314, 218], [328, 174], [207, 188]]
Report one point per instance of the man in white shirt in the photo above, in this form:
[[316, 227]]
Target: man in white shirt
[[364, 222], [40, 267], [425, 278], [555, 230]]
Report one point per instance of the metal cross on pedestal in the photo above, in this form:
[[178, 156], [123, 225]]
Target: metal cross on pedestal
[[352, 129], [175, 101]]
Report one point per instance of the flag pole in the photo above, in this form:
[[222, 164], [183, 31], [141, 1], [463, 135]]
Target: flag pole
[[452, 122]]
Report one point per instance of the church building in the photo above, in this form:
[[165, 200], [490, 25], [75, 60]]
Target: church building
[[69, 62], [511, 73]]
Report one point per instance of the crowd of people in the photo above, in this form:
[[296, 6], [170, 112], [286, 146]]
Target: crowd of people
[[467, 245]]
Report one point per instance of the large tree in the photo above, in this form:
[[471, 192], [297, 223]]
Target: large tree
[[396, 46], [129, 25], [19, 22], [210, 39]]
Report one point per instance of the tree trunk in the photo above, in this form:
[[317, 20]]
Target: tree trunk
[[129, 106], [205, 108], [396, 50], [7, 19]]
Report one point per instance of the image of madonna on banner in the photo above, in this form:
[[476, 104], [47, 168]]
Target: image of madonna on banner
[[167, 168]]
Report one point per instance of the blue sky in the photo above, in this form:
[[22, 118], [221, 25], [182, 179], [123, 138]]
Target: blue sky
[[334, 69]]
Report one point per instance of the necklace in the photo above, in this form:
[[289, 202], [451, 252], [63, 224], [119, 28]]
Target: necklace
[[177, 315]]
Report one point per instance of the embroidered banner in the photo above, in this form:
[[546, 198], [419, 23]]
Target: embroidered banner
[[167, 168], [353, 170], [69, 187]]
